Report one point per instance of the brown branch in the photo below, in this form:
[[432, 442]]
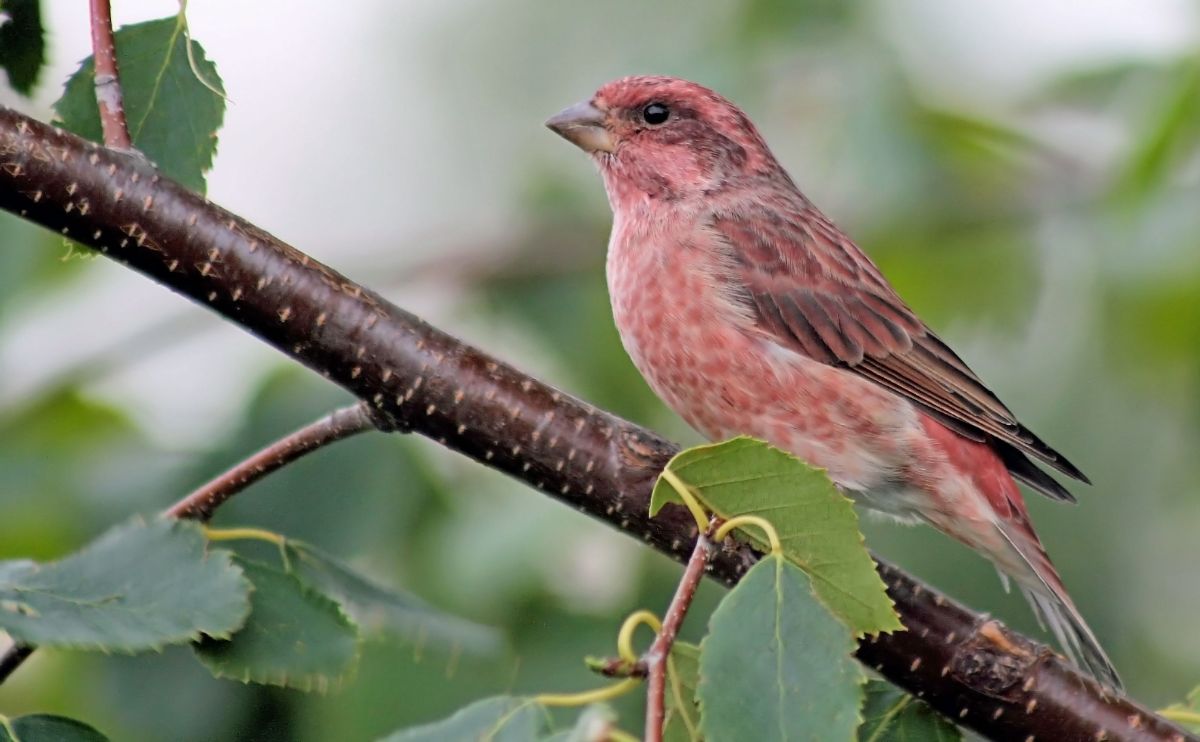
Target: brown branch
[[976, 672], [340, 424], [655, 658], [108, 78], [203, 501]]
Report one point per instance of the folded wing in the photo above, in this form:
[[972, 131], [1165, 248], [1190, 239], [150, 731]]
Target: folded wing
[[810, 289]]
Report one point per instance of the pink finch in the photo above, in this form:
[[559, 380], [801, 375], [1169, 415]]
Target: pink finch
[[749, 312]]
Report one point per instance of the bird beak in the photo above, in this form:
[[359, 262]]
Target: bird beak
[[583, 125]]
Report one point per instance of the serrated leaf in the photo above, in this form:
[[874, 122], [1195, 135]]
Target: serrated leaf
[[497, 719], [47, 728], [383, 610], [173, 117], [776, 665], [22, 43], [294, 637], [681, 721], [891, 715], [138, 587], [816, 523], [1186, 714]]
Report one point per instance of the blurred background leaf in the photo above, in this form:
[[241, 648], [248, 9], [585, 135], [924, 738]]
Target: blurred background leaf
[[22, 43]]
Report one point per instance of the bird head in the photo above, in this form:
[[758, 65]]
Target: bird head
[[664, 138]]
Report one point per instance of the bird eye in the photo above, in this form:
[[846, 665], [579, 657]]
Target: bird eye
[[655, 114]]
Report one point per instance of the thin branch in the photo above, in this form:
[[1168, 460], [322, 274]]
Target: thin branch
[[655, 658], [202, 502], [108, 78], [340, 424], [976, 672]]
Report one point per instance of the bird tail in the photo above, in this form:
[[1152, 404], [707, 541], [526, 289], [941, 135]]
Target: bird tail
[[1058, 613], [1054, 609]]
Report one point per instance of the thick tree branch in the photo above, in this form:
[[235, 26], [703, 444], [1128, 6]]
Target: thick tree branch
[[973, 670]]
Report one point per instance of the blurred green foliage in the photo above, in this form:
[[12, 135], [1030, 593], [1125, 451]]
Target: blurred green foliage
[[1063, 264]]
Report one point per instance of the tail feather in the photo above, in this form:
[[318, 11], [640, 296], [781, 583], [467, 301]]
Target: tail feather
[[1052, 605], [1077, 640]]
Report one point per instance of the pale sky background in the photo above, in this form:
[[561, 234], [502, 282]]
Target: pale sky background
[[341, 132]]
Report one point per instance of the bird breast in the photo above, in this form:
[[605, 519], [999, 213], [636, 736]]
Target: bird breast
[[702, 354]]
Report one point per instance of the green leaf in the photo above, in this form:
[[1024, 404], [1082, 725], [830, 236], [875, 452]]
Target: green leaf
[[294, 637], [776, 664], [1187, 714], [498, 719], [1168, 138], [816, 523], [138, 587], [681, 722], [379, 609], [47, 728], [173, 116], [22, 43], [891, 715]]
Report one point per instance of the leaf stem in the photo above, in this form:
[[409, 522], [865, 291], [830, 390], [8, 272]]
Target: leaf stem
[[236, 534], [625, 635], [108, 79], [253, 534], [689, 498], [607, 693], [1183, 716], [660, 651], [750, 520]]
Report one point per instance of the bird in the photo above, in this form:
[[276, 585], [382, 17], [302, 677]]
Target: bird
[[749, 312]]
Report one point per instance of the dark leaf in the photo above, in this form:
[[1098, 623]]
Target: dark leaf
[[294, 637], [22, 43]]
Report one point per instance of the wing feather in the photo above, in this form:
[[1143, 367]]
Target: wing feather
[[812, 290]]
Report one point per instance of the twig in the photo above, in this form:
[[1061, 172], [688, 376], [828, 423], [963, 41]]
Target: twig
[[655, 658], [342, 423], [980, 675], [203, 501], [108, 78]]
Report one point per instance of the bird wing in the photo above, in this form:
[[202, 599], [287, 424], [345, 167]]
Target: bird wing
[[810, 289]]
